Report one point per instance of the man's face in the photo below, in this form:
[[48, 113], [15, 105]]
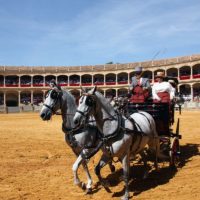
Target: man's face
[[137, 74]]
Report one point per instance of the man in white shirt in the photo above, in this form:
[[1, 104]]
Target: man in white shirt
[[162, 91]]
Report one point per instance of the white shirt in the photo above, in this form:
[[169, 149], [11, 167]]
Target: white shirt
[[162, 87]]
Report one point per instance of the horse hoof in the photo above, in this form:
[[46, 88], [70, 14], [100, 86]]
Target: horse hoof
[[83, 186], [89, 191], [125, 198], [112, 168]]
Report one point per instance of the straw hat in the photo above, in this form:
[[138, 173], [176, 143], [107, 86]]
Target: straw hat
[[138, 69], [160, 75]]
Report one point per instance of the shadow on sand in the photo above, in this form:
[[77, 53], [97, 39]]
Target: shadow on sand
[[138, 185]]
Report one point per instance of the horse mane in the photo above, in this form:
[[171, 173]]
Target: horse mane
[[105, 103], [71, 103], [70, 107]]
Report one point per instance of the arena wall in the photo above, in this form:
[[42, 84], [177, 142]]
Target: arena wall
[[24, 87]]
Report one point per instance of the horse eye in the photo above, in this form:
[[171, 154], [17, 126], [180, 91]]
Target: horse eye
[[53, 95], [89, 101]]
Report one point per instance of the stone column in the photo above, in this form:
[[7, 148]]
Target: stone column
[[178, 73], [92, 79], [19, 83], [104, 81], [192, 93], [128, 78], [4, 99], [178, 88], [80, 79], [19, 97], [31, 97], [43, 95], [68, 80], [152, 76], [31, 81], [116, 92], [44, 78]]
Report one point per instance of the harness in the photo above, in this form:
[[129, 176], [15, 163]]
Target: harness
[[58, 98]]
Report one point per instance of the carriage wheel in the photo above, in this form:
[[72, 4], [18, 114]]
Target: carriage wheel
[[174, 153]]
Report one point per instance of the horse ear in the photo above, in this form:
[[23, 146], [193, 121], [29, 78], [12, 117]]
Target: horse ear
[[93, 90], [53, 84], [83, 90]]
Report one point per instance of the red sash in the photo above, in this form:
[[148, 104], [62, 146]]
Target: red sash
[[139, 95], [164, 96]]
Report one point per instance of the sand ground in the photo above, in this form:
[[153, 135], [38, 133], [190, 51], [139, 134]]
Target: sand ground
[[35, 163]]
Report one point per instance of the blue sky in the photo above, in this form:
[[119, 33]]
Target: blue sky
[[89, 32]]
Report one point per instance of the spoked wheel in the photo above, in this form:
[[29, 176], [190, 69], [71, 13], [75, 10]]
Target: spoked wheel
[[174, 153]]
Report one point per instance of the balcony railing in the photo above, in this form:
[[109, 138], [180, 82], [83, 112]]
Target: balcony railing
[[62, 84], [110, 83], [86, 84], [196, 76], [12, 85], [122, 82], [184, 77]]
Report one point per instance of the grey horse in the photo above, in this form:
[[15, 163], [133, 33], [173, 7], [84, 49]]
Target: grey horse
[[120, 139], [81, 140]]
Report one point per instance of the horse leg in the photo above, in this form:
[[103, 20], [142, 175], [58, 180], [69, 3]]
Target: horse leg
[[102, 162], [75, 172], [126, 170], [111, 166], [89, 179], [144, 159]]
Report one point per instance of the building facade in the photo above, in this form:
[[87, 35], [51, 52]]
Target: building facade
[[24, 85]]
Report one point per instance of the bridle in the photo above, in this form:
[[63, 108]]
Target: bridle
[[90, 102], [57, 98]]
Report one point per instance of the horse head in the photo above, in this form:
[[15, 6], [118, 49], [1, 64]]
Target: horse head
[[86, 106], [52, 101]]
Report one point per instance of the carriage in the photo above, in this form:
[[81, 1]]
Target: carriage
[[163, 114]]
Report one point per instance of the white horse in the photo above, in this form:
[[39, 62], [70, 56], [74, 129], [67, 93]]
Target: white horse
[[121, 137], [81, 140]]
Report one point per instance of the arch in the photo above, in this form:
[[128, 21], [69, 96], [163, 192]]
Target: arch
[[185, 72], [37, 97], [1, 81], [196, 71], [148, 74], [196, 92], [172, 72], [74, 80], [122, 92], [12, 81], [185, 92], [110, 79], [86, 80], [1, 98], [110, 93], [63, 80], [122, 78], [25, 81], [12, 99], [38, 81], [48, 79], [98, 79], [25, 97], [100, 90]]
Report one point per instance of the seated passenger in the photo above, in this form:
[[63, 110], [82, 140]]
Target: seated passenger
[[162, 91], [140, 87]]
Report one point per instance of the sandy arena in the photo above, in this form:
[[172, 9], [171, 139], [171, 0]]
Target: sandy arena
[[36, 164]]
